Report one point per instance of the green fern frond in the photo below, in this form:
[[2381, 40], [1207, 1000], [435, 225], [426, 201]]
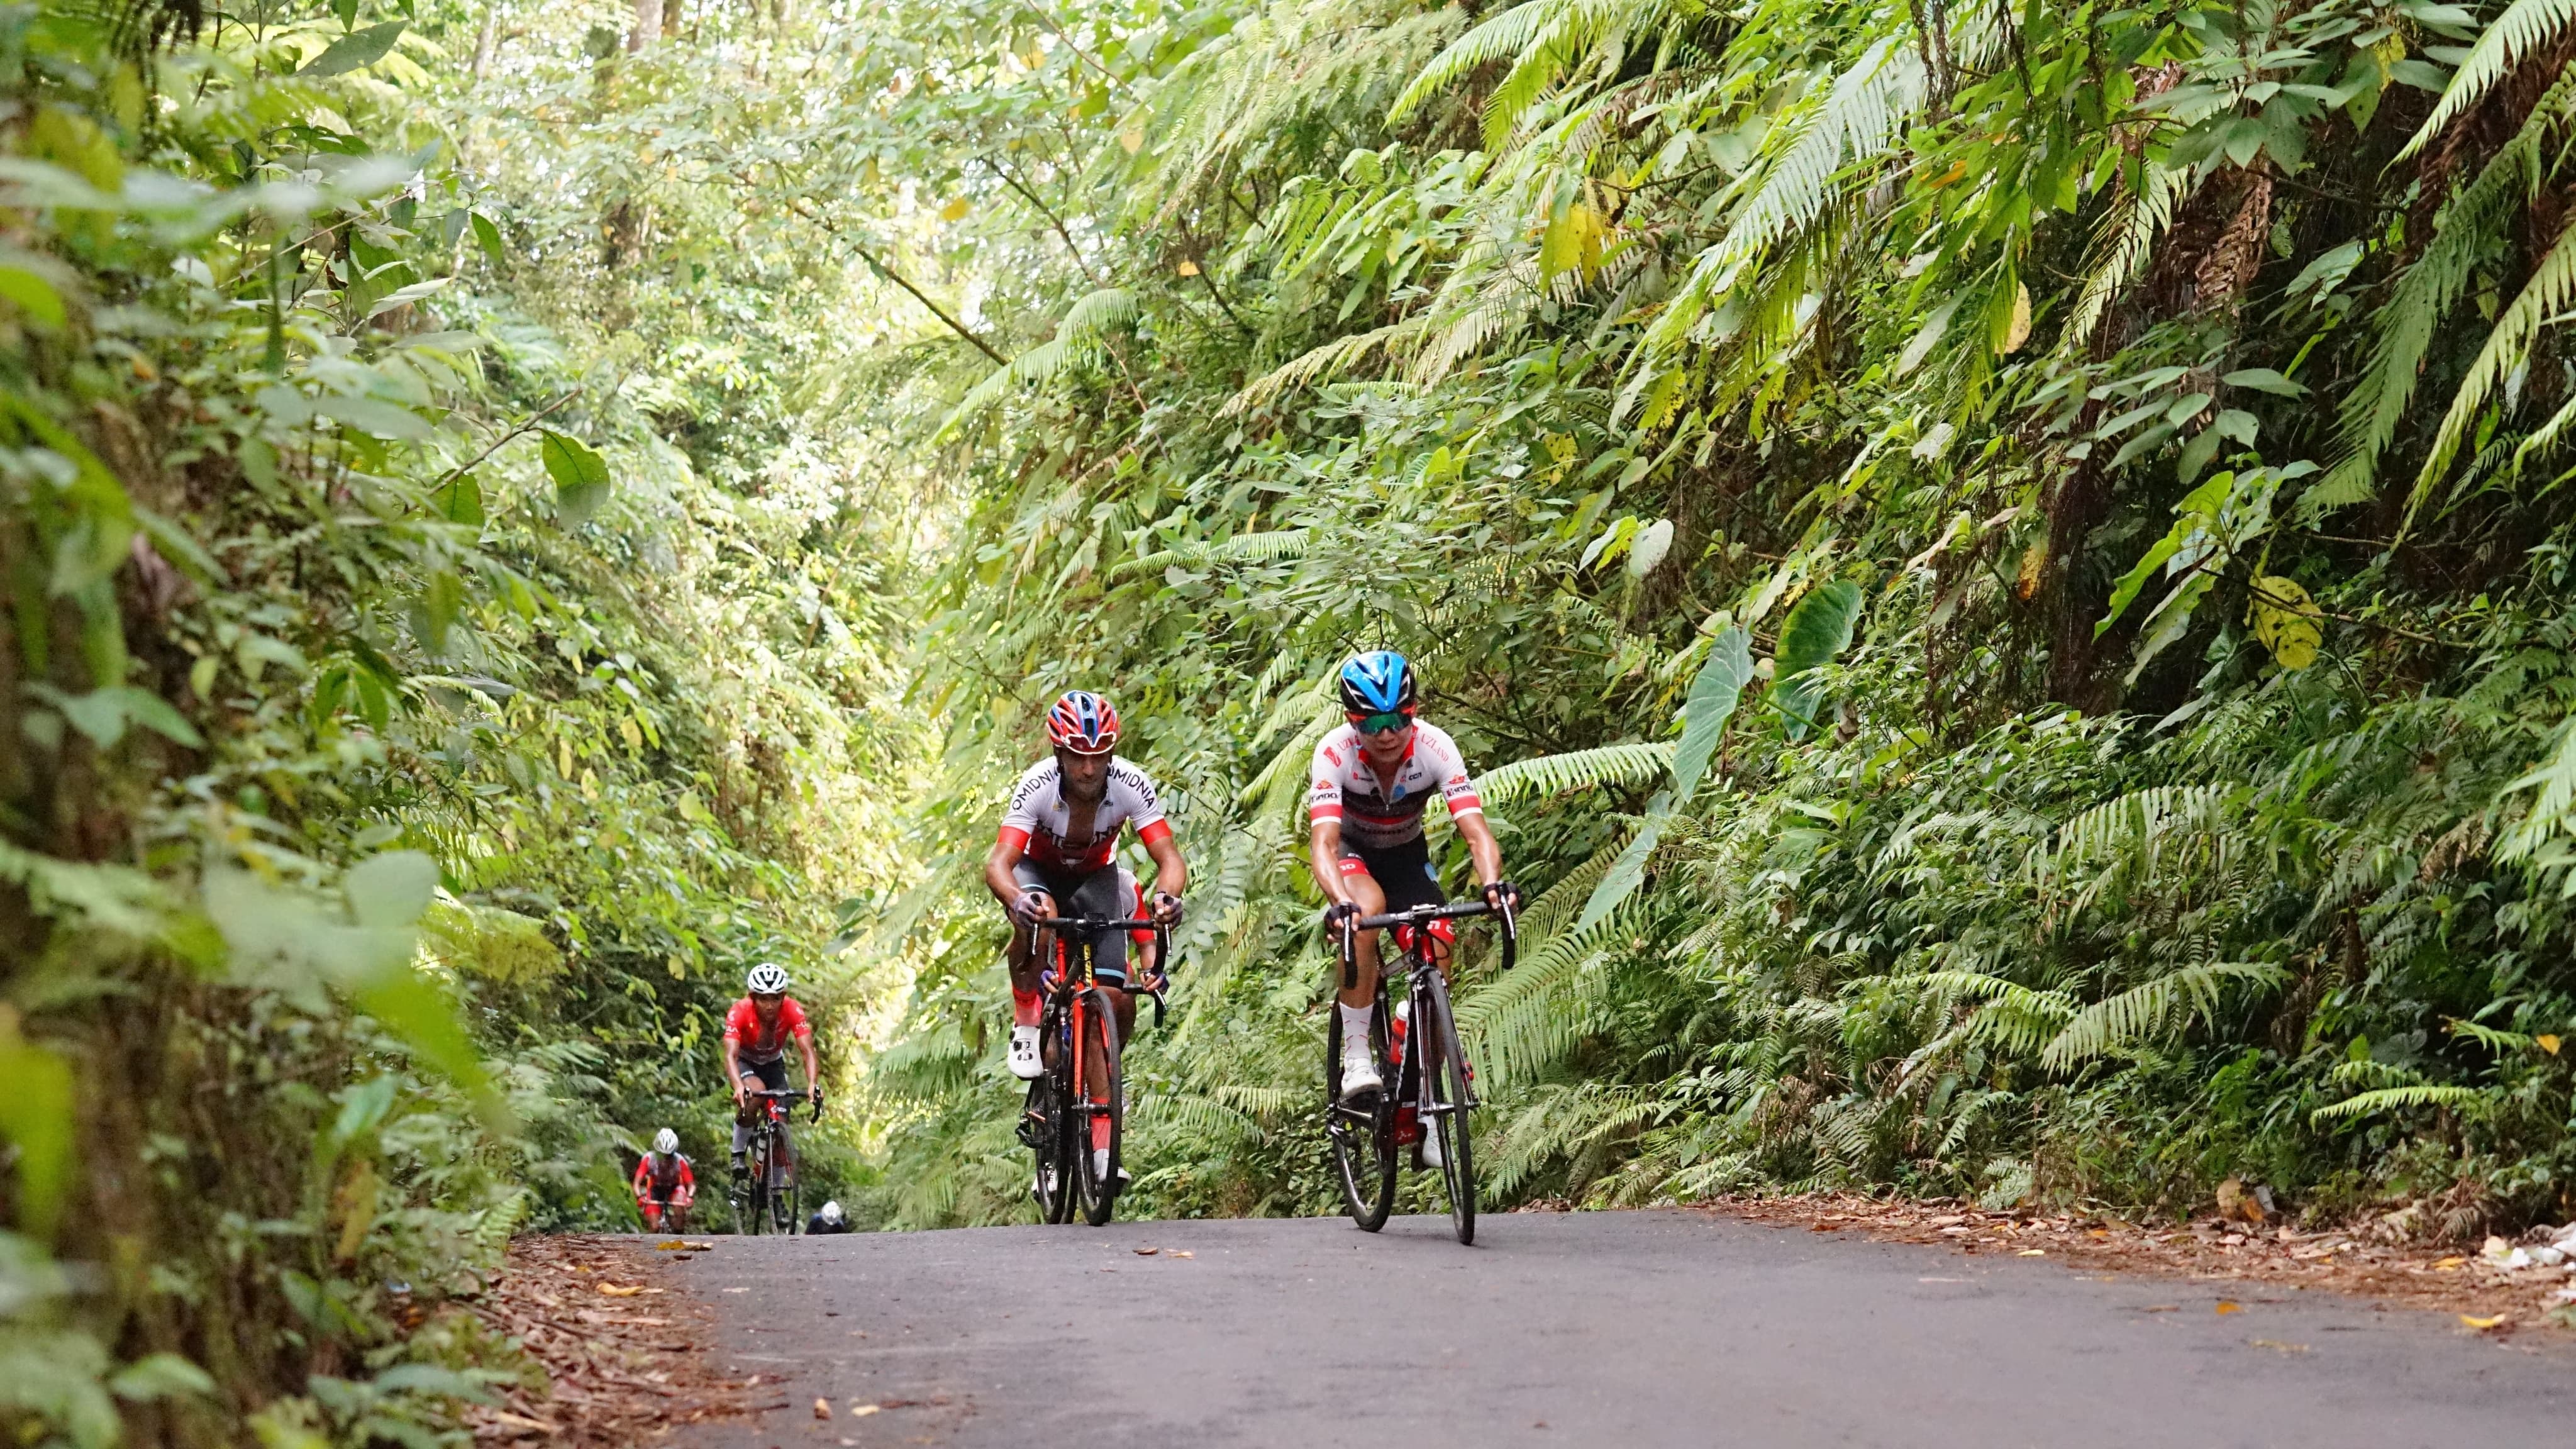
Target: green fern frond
[[2157, 1008], [1630, 765], [2391, 1098], [2508, 346], [2525, 26], [1507, 35], [1321, 364], [1081, 337], [2502, 1043], [1242, 548], [2129, 234]]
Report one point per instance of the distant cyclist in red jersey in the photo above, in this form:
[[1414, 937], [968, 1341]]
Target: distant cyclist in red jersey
[[664, 1185], [755, 1051], [1057, 845]]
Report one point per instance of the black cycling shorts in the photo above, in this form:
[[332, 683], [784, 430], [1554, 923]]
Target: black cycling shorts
[[1108, 893], [1403, 872]]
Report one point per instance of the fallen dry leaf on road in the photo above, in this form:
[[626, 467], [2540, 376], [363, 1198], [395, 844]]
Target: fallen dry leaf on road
[[2449, 1265], [2229, 1305], [861, 1411], [621, 1290], [2484, 1324], [1147, 1252], [2278, 1344], [822, 1408], [2032, 1253], [1183, 1253]]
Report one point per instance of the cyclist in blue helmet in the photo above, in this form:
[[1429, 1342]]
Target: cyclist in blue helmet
[[1373, 778]]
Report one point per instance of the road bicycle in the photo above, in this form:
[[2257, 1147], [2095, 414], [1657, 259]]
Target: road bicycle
[[1430, 1088], [770, 1187], [665, 1217], [1078, 1037]]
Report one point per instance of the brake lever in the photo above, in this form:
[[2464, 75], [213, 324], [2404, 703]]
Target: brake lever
[[1511, 937], [1350, 959]]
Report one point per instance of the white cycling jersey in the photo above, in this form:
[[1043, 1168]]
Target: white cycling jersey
[[1378, 813], [1039, 820]]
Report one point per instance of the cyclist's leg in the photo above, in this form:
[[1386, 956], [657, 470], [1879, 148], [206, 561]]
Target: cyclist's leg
[[1026, 959], [770, 1074], [1404, 872], [1364, 889]]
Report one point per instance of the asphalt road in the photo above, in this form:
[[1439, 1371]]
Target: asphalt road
[[1596, 1329]]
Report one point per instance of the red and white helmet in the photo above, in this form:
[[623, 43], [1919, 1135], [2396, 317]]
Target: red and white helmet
[[1084, 723]]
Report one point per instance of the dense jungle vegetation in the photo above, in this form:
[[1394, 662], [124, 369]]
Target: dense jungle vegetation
[[2004, 568]]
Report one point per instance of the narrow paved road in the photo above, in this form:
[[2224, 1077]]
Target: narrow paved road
[[1597, 1329]]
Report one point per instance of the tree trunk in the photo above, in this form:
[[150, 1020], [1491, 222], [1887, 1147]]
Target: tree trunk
[[648, 25]]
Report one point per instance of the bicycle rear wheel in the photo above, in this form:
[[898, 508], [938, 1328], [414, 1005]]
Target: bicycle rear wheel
[[1098, 1180], [1446, 1099], [1362, 1132]]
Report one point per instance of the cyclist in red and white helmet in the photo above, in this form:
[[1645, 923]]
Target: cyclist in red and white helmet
[[1057, 845]]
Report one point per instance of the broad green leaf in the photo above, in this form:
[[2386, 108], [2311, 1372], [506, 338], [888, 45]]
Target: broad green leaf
[[160, 1376], [355, 51], [2264, 379], [1817, 629], [460, 500], [36, 1118], [2286, 621], [415, 1009], [371, 415], [581, 477], [33, 295], [391, 889], [488, 237], [1713, 697]]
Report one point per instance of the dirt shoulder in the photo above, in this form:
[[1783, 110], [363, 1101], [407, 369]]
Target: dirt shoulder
[[2486, 1296], [623, 1345]]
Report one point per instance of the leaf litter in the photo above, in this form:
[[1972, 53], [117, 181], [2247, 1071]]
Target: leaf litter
[[2496, 1293], [613, 1375]]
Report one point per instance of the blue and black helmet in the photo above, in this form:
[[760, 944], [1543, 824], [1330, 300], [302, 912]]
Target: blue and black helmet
[[1378, 682]]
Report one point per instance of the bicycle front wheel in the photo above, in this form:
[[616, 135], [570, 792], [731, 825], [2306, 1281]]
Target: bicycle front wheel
[[1362, 1132], [1097, 1176], [756, 1198], [1446, 1100], [1044, 1127]]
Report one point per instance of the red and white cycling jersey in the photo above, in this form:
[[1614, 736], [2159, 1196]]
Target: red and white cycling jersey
[[1378, 813], [1039, 821], [752, 1044]]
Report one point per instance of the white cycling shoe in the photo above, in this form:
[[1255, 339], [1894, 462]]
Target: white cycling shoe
[[1431, 1147], [1025, 1062], [1100, 1167], [1359, 1073]]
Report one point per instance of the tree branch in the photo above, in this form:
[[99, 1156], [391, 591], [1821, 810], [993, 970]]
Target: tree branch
[[877, 265]]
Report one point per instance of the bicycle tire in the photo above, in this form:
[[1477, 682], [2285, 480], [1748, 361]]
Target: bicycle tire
[[1363, 1139], [1099, 1189], [1053, 1188], [1444, 1084], [756, 1197], [790, 1197]]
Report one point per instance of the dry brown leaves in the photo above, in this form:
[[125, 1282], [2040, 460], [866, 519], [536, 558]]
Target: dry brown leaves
[[2443, 1279], [623, 1347]]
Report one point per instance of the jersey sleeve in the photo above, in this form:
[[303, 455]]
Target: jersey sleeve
[[643, 1170], [1145, 810], [1324, 795], [792, 1017], [735, 1022], [1020, 817], [687, 1178], [1456, 786]]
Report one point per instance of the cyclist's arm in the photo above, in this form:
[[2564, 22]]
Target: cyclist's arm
[[641, 1166], [688, 1187], [1324, 858], [813, 1065], [733, 1067], [1171, 873], [1481, 849]]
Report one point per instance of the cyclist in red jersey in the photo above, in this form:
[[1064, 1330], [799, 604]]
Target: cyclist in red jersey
[[1372, 780], [755, 1052], [1057, 843], [664, 1185]]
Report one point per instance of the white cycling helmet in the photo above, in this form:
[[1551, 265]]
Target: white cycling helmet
[[767, 979], [831, 1214], [666, 1142]]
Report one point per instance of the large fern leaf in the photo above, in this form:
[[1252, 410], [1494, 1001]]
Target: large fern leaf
[[2155, 1009], [2388, 1099], [1545, 775], [2526, 26]]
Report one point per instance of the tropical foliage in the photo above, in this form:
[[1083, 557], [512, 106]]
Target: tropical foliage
[[2005, 573]]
